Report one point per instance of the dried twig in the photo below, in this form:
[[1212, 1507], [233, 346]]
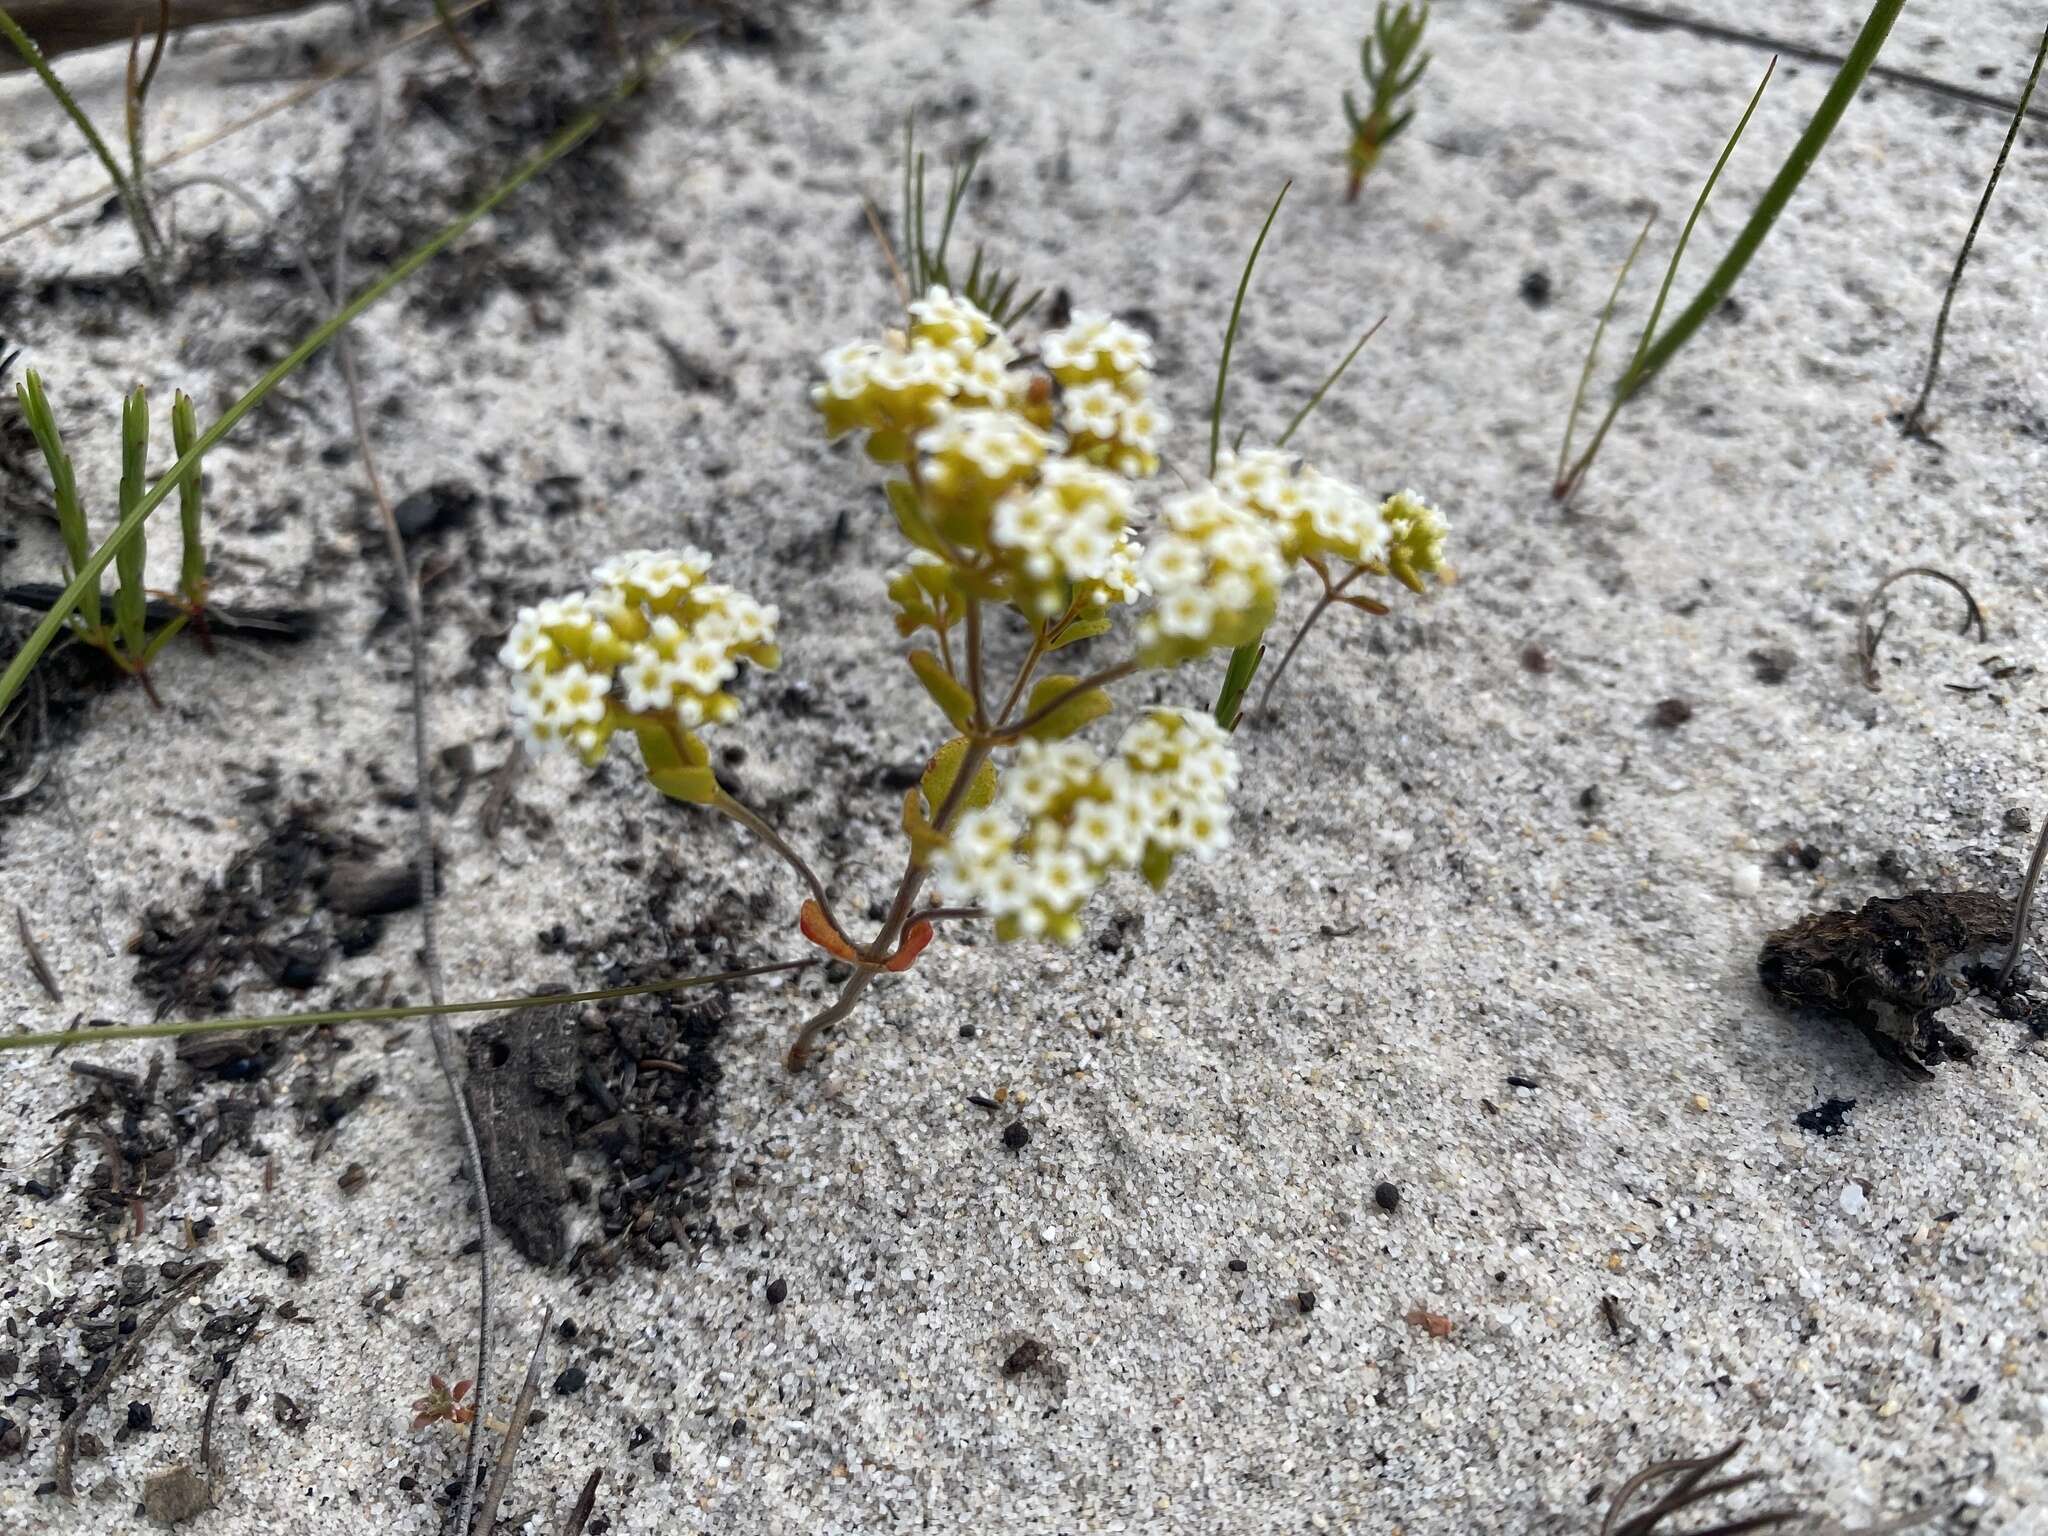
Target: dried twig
[[508, 1452], [67, 1436], [586, 1501], [224, 1360], [1913, 422], [438, 1032], [1867, 638], [36, 962], [64, 26], [2026, 905]]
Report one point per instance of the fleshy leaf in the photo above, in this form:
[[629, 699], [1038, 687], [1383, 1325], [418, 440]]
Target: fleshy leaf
[[817, 927], [1084, 628], [947, 691], [915, 937], [910, 517], [696, 786], [1072, 715], [944, 768]]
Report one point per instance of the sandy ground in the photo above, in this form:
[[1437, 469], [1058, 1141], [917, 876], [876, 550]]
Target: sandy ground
[[1456, 870]]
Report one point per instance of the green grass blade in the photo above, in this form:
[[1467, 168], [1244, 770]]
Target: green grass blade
[[175, 1029], [131, 597], [1328, 384], [1237, 682], [1848, 80], [1571, 420], [1685, 235], [88, 575], [131, 198], [192, 556], [1229, 334]]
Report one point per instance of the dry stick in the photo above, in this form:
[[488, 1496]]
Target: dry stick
[[289, 99], [65, 26], [1913, 422], [508, 1452], [36, 962], [67, 1435], [1866, 638], [586, 1501], [224, 1362], [442, 1037], [2019, 920]]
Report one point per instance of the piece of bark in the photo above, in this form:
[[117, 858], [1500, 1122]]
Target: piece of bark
[[522, 1072], [64, 26]]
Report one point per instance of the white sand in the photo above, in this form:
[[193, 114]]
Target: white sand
[[1233, 1084]]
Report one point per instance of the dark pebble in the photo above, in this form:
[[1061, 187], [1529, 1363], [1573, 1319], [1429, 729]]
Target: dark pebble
[[662, 1462], [569, 1381], [1238, 1266], [2016, 818], [1535, 659], [1773, 664], [446, 504], [1306, 1300], [1535, 288], [1670, 714], [1023, 1357], [1016, 1135], [141, 1416], [1386, 1197], [967, 1031], [778, 1291]]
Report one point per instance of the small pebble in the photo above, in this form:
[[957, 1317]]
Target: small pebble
[[1671, 714], [1748, 879], [1016, 1135], [1386, 1197], [778, 1291], [1306, 1301], [570, 1381], [1238, 1266], [1852, 1199]]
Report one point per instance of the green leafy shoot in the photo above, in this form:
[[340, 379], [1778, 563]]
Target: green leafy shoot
[[86, 577], [128, 189], [1656, 349], [131, 598], [192, 558], [42, 425], [1391, 68], [987, 287]]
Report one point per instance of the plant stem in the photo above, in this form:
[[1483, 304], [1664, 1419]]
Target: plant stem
[[1912, 422], [728, 806], [1560, 487], [177, 1029], [974, 663], [1107, 675], [53, 621]]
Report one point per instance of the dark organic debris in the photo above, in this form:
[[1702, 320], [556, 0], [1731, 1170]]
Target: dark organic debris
[[1827, 1118], [1772, 664], [1026, 1356], [282, 623], [1890, 968], [1670, 714], [266, 912], [522, 1075], [1386, 1197]]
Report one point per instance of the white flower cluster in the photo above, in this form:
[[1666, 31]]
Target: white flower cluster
[[1215, 568], [1064, 818], [652, 640], [1103, 367], [1067, 539], [1317, 514]]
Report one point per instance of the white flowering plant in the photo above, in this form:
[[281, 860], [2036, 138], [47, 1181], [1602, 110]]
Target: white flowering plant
[[1017, 485]]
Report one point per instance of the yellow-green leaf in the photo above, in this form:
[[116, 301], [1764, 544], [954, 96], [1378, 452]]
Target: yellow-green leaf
[[698, 786], [910, 517], [944, 768], [1071, 715], [1157, 865], [947, 691], [1086, 627]]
